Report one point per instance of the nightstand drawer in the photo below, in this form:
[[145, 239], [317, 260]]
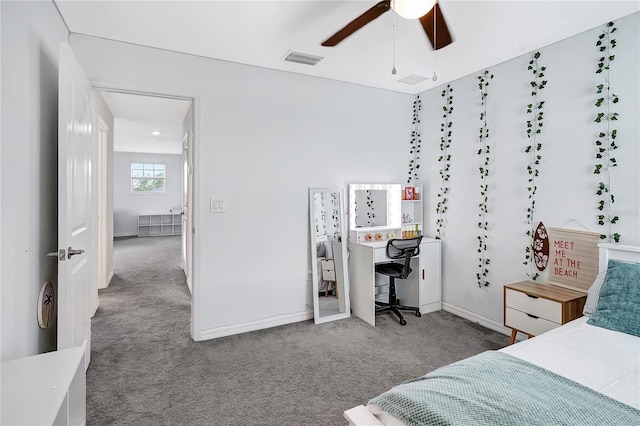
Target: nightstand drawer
[[527, 324], [537, 306]]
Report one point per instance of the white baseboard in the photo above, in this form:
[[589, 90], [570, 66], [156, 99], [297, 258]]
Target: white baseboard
[[430, 307], [214, 333], [124, 234], [471, 316]]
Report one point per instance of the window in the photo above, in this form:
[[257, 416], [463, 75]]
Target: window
[[147, 178]]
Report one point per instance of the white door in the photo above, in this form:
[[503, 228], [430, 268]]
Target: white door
[[74, 203]]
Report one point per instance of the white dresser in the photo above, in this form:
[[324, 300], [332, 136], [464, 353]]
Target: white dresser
[[422, 289]]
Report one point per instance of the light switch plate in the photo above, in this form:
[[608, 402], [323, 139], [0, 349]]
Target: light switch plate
[[218, 204]]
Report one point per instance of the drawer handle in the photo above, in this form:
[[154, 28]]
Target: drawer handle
[[532, 316], [532, 296]]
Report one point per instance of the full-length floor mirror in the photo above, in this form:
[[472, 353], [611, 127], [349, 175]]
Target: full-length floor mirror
[[329, 263]]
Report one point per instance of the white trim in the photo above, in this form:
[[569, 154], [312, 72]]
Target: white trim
[[196, 194], [230, 330], [124, 234], [471, 316], [110, 277], [430, 307]]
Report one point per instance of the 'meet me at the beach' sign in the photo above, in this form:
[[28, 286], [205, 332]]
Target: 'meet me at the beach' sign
[[574, 258]]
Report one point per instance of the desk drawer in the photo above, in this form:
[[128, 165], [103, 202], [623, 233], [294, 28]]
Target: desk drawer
[[527, 324], [539, 307], [380, 255]]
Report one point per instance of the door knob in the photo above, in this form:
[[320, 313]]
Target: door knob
[[73, 252]]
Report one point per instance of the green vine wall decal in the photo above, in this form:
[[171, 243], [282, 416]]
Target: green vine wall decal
[[415, 142], [533, 150], [485, 152], [606, 142], [444, 159]]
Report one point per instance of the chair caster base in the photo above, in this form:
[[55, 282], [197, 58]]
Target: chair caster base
[[403, 322]]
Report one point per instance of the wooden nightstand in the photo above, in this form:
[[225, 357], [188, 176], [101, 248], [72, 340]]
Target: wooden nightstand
[[533, 308]]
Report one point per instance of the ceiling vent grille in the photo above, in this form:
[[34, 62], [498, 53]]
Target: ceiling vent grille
[[412, 79], [303, 58]]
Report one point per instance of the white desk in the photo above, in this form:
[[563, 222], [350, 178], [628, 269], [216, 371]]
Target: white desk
[[45, 389], [421, 289]]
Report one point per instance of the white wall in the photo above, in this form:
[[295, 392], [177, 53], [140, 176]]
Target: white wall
[[127, 206], [30, 33], [566, 184], [260, 135], [262, 138]]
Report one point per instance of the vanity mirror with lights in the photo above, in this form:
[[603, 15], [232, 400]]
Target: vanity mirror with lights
[[329, 265], [377, 213], [374, 211]]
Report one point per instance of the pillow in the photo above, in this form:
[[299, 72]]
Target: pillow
[[618, 308], [321, 250], [594, 294]]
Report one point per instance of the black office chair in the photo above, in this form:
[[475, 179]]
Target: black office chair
[[398, 249]]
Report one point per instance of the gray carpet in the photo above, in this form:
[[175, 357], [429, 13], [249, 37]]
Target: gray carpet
[[145, 369]]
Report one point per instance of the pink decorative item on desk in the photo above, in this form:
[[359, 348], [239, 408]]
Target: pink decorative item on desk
[[409, 191]]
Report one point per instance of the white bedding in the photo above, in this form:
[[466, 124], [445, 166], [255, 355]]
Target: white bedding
[[604, 360], [601, 359]]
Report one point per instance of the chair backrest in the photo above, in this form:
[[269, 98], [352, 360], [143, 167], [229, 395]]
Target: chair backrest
[[404, 248]]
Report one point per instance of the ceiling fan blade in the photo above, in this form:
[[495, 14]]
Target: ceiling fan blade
[[441, 35], [362, 20]]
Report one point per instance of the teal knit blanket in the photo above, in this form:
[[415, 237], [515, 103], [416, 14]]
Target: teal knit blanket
[[494, 388]]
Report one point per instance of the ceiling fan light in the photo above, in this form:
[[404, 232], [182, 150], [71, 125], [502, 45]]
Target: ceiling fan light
[[412, 9]]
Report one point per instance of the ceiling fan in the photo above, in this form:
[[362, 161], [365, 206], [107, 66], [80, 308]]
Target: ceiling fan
[[432, 20]]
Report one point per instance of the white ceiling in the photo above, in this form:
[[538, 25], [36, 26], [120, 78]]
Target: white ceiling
[[137, 117], [261, 33]]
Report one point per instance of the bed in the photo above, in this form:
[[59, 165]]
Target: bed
[[584, 372]]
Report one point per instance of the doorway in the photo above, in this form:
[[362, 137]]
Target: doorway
[[147, 179]]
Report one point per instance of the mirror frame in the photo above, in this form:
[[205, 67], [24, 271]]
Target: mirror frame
[[314, 258], [394, 204]]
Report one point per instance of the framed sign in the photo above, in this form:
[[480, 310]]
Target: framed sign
[[574, 258]]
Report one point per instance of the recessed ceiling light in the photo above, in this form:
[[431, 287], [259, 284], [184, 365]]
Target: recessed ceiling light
[[155, 133]]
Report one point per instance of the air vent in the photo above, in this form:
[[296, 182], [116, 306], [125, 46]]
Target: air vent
[[303, 58], [412, 79]]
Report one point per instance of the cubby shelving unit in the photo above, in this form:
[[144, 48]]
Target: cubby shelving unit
[[153, 225]]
